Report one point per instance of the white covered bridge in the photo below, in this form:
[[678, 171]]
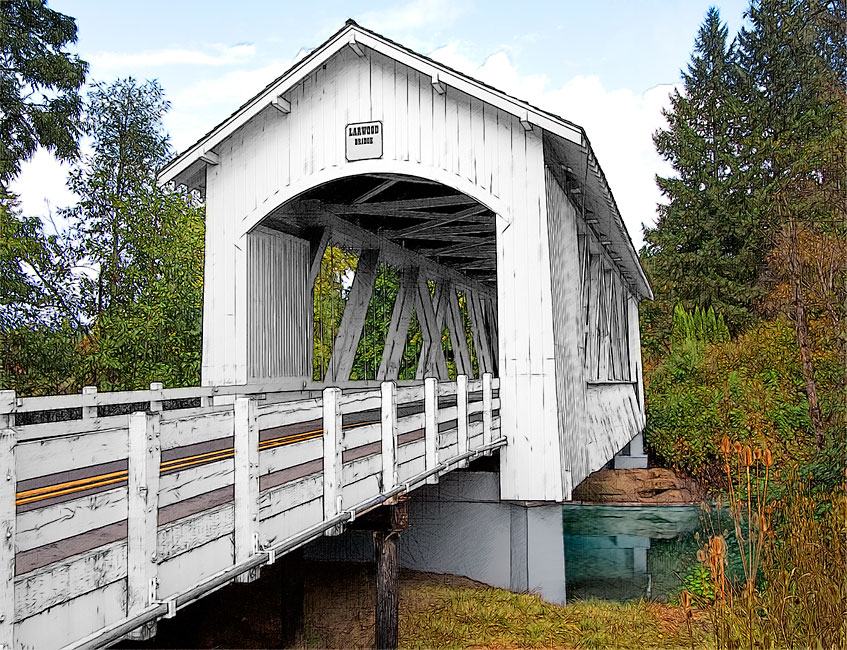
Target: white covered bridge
[[406, 269]]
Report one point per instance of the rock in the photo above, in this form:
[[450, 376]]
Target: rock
[[648, 486]]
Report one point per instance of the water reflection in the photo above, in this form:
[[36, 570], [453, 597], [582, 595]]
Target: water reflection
[[625, 552]]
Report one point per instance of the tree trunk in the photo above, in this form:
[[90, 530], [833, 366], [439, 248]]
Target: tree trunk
[[387, 582], [801, 329]]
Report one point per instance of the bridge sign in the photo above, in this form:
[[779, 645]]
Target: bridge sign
[[363, 140]]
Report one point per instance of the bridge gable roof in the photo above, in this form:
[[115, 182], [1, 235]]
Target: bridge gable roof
[[566, 138]]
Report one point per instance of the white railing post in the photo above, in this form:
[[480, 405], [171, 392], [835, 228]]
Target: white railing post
[[431, 425], [246, 478], [156, 397], [462, 415], [487, 412], [332, 455], [8, 481], [89, 412], [145, 455], [389, 435]]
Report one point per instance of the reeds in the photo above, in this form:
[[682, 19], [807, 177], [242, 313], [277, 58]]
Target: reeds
[[792, 591]]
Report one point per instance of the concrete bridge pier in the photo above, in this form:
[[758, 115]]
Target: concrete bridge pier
[[461, 526]]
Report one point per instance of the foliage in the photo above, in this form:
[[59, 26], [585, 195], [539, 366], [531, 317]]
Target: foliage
[[750, 387], [702, 325], [705, 248], [158, 335], [39, 82], [332, 285], [116, 185], [791, 591], [36, 285], [117, 301]]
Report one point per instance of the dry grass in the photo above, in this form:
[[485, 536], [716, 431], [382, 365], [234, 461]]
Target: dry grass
[[435, 614]]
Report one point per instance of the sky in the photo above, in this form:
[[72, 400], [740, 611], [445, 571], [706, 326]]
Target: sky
[[607, 65]]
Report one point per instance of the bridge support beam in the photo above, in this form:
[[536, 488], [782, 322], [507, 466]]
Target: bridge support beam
[[292, 595], [386, 541]]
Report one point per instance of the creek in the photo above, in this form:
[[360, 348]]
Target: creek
[[626, 552]]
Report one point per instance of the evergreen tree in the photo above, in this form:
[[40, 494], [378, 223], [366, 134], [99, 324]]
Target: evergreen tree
[[39, 84], [124, 120], [795, 56], [707, 246]]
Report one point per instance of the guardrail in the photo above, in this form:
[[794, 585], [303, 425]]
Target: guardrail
[[106, 518]]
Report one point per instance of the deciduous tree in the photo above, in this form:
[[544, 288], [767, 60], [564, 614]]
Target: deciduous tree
[[40, 103]]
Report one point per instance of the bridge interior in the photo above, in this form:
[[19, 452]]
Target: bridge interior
[[403, 280]]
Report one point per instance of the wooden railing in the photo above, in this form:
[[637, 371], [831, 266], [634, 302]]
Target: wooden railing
[[109, 523]]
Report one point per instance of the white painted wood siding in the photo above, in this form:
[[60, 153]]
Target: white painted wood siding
[[567, 326], [598, 352], [279, 306], [451, 138]]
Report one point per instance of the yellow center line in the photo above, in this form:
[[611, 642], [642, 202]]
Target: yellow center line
[[59, 493], [78, 485]]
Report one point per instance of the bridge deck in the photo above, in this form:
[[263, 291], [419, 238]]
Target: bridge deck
[[116, 521]]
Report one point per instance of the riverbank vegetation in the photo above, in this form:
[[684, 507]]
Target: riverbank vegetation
[[745, 343]]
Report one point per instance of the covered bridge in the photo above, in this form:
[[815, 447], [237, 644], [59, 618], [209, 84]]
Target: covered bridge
[[406, 270]]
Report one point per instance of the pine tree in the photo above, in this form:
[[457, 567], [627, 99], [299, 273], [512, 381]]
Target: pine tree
[[706, 247], [142, 243], [124, 120]]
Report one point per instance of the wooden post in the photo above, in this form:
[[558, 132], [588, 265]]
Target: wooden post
[[389, 435], [145, 456], [89, 412], [431, 426], [487, 414], [462, 415], [7, 520], [246, 477], [156, 398], [332, 455], [387, 564], [292, 595]]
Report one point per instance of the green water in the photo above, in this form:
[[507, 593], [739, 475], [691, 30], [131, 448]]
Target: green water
[[626, 552]]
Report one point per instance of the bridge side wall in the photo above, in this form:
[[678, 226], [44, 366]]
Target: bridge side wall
[[598, 346], [433, 132]]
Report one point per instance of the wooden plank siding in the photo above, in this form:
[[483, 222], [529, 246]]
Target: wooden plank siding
[[545, 263], [305, 148], [279, 305], [597, 345]]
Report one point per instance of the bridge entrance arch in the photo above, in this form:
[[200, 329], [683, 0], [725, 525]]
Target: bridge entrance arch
[[372, 277]]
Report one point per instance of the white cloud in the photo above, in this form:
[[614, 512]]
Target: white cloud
[[413, 15], [198, 107], [213, 55], [619, 123], [41, 186]]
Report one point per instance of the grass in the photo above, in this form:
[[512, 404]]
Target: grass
[[437, 615]]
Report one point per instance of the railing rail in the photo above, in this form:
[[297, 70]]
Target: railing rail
[[209, 490]]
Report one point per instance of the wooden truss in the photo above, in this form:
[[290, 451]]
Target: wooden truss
[[432, 235]]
